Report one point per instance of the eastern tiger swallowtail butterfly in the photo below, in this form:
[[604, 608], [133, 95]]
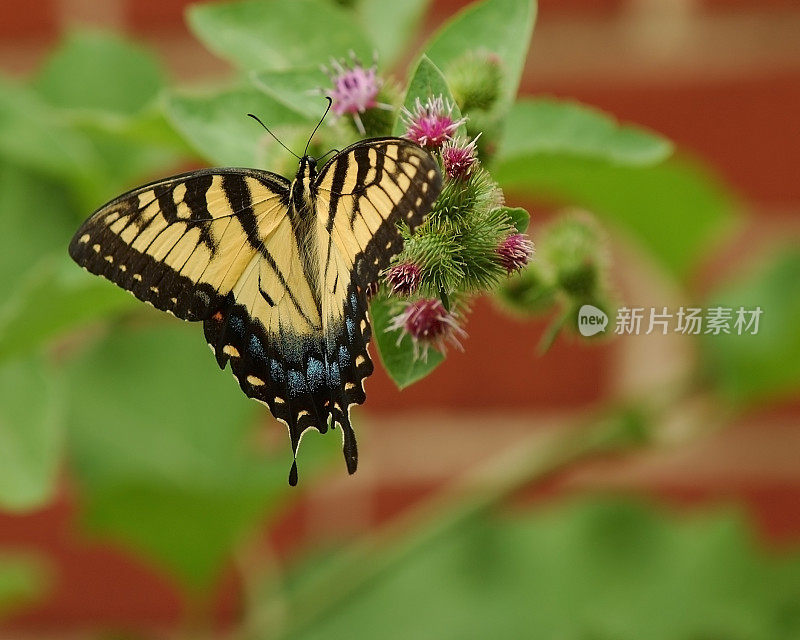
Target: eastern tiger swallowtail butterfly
[[277, 271]]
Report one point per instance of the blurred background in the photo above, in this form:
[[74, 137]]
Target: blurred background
[[494, 479]]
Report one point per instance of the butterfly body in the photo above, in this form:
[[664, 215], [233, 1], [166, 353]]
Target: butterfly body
[[277, 271]]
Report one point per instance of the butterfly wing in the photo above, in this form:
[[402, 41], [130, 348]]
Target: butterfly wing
[[365, 192], [182, 243], [362, 196]]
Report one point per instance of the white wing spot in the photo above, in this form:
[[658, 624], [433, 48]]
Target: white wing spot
[[137, 276], [109, 259], [123, 268], [154, 289], [96, 248], [279, 400], [256, 382], [360, 360], [84, 238]]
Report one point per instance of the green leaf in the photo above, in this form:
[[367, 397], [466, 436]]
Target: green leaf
[[502, 27], [23, 579], [398, 359], [217, 126], [31, 136], [608, 570], [37, 220], [94, 155], [427, 81], [391, 25], [754, 368], [31, 434], [547, 126], [273, 34], [96, 70], [295, 89], [676, 210], [163, 445], [519, 217], [56, 297]]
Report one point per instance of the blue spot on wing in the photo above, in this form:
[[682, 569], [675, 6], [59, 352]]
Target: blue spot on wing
[[236, 324], [351, 329], [344, 357], [276, 371], [315, 374], [297, 383], [257, 349], [334, 377]]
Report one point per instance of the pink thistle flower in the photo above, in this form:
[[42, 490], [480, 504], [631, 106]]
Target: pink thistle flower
[[459, 157], [431, 124], [355, 88], [404, 278], [515, 252], [428, 323]]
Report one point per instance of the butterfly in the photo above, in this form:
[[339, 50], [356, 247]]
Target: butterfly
[[278, 271]]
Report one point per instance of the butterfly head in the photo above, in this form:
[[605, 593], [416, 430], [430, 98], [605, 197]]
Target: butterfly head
[[301, 187]]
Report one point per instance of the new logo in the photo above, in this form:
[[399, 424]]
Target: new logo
[[591, 320]]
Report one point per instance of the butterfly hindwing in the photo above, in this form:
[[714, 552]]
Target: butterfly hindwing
[[181, 243]]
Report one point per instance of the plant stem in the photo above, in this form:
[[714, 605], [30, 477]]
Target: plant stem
[[465, 498]]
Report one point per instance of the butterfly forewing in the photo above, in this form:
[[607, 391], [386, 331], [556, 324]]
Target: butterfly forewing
[[181, 244]]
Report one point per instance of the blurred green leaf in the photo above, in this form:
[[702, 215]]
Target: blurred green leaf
[[547, 126], [87, 153], [273, 34], [398, 359], [55, 297], [502, 27], [295, 89], [34, 137], [602, 571], [749, 368], [37, 220], [677, 210], [427, 81], [31, 433], [44, 292], [22, 579], [218, 127], [391, 25], [164, 446], [98, 70]]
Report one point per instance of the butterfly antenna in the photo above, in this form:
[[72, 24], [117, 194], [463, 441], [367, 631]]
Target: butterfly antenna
[[330, 102], [256, 118]]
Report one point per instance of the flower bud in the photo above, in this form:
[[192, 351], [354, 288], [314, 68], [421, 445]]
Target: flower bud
[[404, 278], [432, 124], [458, 157], [475, 80], [515, 251], [428, 324]]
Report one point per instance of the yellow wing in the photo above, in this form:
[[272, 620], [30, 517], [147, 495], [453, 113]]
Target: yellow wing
[[362, 196], [182, 243]]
